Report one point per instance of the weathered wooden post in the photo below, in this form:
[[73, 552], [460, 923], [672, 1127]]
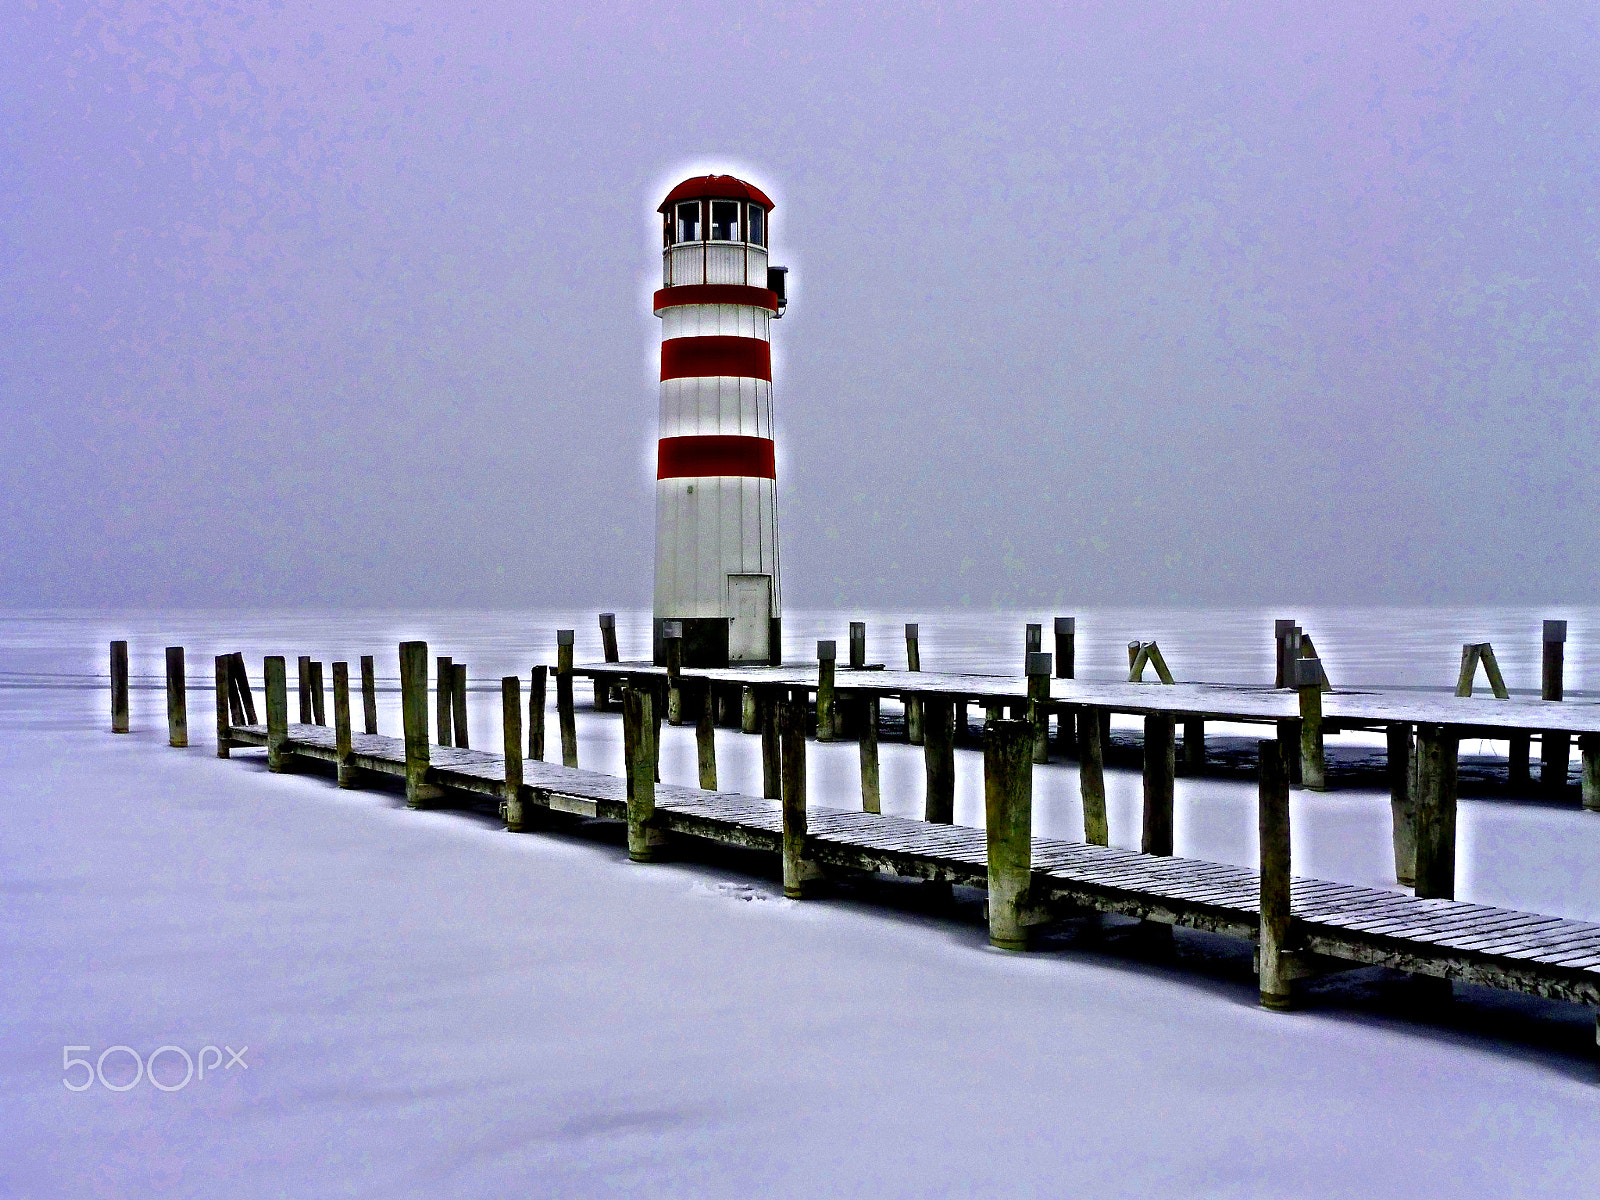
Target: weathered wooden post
[[1313, 763], [608, 639], [1589, 748], [224, 695], [1281, 631], [1032, 643], [962, 731], [414, 722], [672, 640], [1555, 749], [867, 737], [912, 701], [638, 731], [458, 703], [1402, 806], [1159, 769], [241, 688], [1066, 631], [343, 741], [827, 654], [1289, 735], [768, 710], [274, 681], [1194, 743], [1436, 811], [1038, 668], [792, 723], [302, 672], [119, 687], [177, 699], [369, 695], [705, 735], [319, 711], [442, 708], [511, 720], [564, 710], [1008, 748], [858, 645], [1518, 755], [536, 693], [1273, 817], [235, 687], [748, 718], [938, 759], [1091, 776]]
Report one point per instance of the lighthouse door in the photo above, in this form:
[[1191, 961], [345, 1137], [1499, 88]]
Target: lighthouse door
[[750, 612]]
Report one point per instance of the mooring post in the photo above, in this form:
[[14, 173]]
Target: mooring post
[[1066, 630], [749, 719], [442, 708], [1038, 667], [1471, 652], [858, 645], [511, 720], [241, 684], [827, 654], [938, 759], [302, 676], [458, 703], [1008, 749], [912, 701], [1289, 735], [224, 696], [564, 710], [369, 695], [1280, 638], [177, 699], [414, 721], [1273, 818], [962, 732], [867, 736], [1313, 762], [319, 711], [705, 735], [672, 634], [1555, 749], [1194, 743], [1402, 805], [536, 694], [1589, 748], [1092, 777], [1436, 811], [119, 687], [1159, 769], [1032, 643], [343, 740], [768, 706], [237, 688], [608, 639], [638, 728], [792, 722], [275, 683]]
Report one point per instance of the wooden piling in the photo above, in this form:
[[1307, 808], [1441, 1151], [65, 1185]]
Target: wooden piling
[[443, 709], [458, 703], [1091, 776], [768, 711], [536, 702], [604, 685], [858, 645], [511, 722], [1436, 811], [1280, 637], [565, 714], [1194, 744], [1038, 714], [302, 675], [827, 653], [369, 695], [1402, 802], [1555, 749], [319, 712], [792, 723], [177, 699], [1313, 762], [1008, 751], [1032, 643], [1289, 735], [119, 687], [638, 731], [913, 702], [224, 711], [749, 720], [240, 680], [938, 759], [705, 736], [343, 741], [1275, 873], [275, 684], [414, 720], [1518, 755], [867, 737], [1159, 769], [1066, 631], [232, 681], [1589, 749], [674, 654]]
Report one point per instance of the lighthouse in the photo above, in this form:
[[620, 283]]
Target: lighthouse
[[716, 473]]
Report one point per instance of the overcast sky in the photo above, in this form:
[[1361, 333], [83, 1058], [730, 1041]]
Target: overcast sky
[[313, 301]]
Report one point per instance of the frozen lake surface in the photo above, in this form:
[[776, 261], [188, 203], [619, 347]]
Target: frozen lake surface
[[432, 1006]]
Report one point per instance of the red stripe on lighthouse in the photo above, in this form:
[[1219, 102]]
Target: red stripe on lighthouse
[[691, 357], [716, 454]]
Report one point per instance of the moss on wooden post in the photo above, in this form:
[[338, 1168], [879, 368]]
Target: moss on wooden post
[[705, 735], [938, 759], [343, 739], [827, 654], [1092, 777], [1008, 750], [536, 703], [1159, 769], [749, 719], [673, 641], [1436, 811], [511, 724], [565, 714], [369, 695], [792, 726], [1038, 715], [414, 721], [867, 737], [458, 703], [119, 687], [275, 683], [1402, 802], [224, 716], [177, 699], [912, 701], [638, 732], [1313, 763], [1273, 824], [444, 676], [1589, 748]]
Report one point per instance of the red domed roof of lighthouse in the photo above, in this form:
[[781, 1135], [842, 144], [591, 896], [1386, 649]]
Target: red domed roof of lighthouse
[[715, 187]]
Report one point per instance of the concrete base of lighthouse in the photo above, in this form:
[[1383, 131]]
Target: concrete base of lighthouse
[[705, 641]]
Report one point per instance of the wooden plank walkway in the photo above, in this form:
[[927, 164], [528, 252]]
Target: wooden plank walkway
[[1546, 956]]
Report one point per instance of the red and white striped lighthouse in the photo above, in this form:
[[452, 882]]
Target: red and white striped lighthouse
[[716, 477]]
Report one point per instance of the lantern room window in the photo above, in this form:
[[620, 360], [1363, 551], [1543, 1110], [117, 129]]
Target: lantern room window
[[689, 221], [757, 225], [724, 220]]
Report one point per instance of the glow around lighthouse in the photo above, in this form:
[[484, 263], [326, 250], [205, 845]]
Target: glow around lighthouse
[[716, 476]]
